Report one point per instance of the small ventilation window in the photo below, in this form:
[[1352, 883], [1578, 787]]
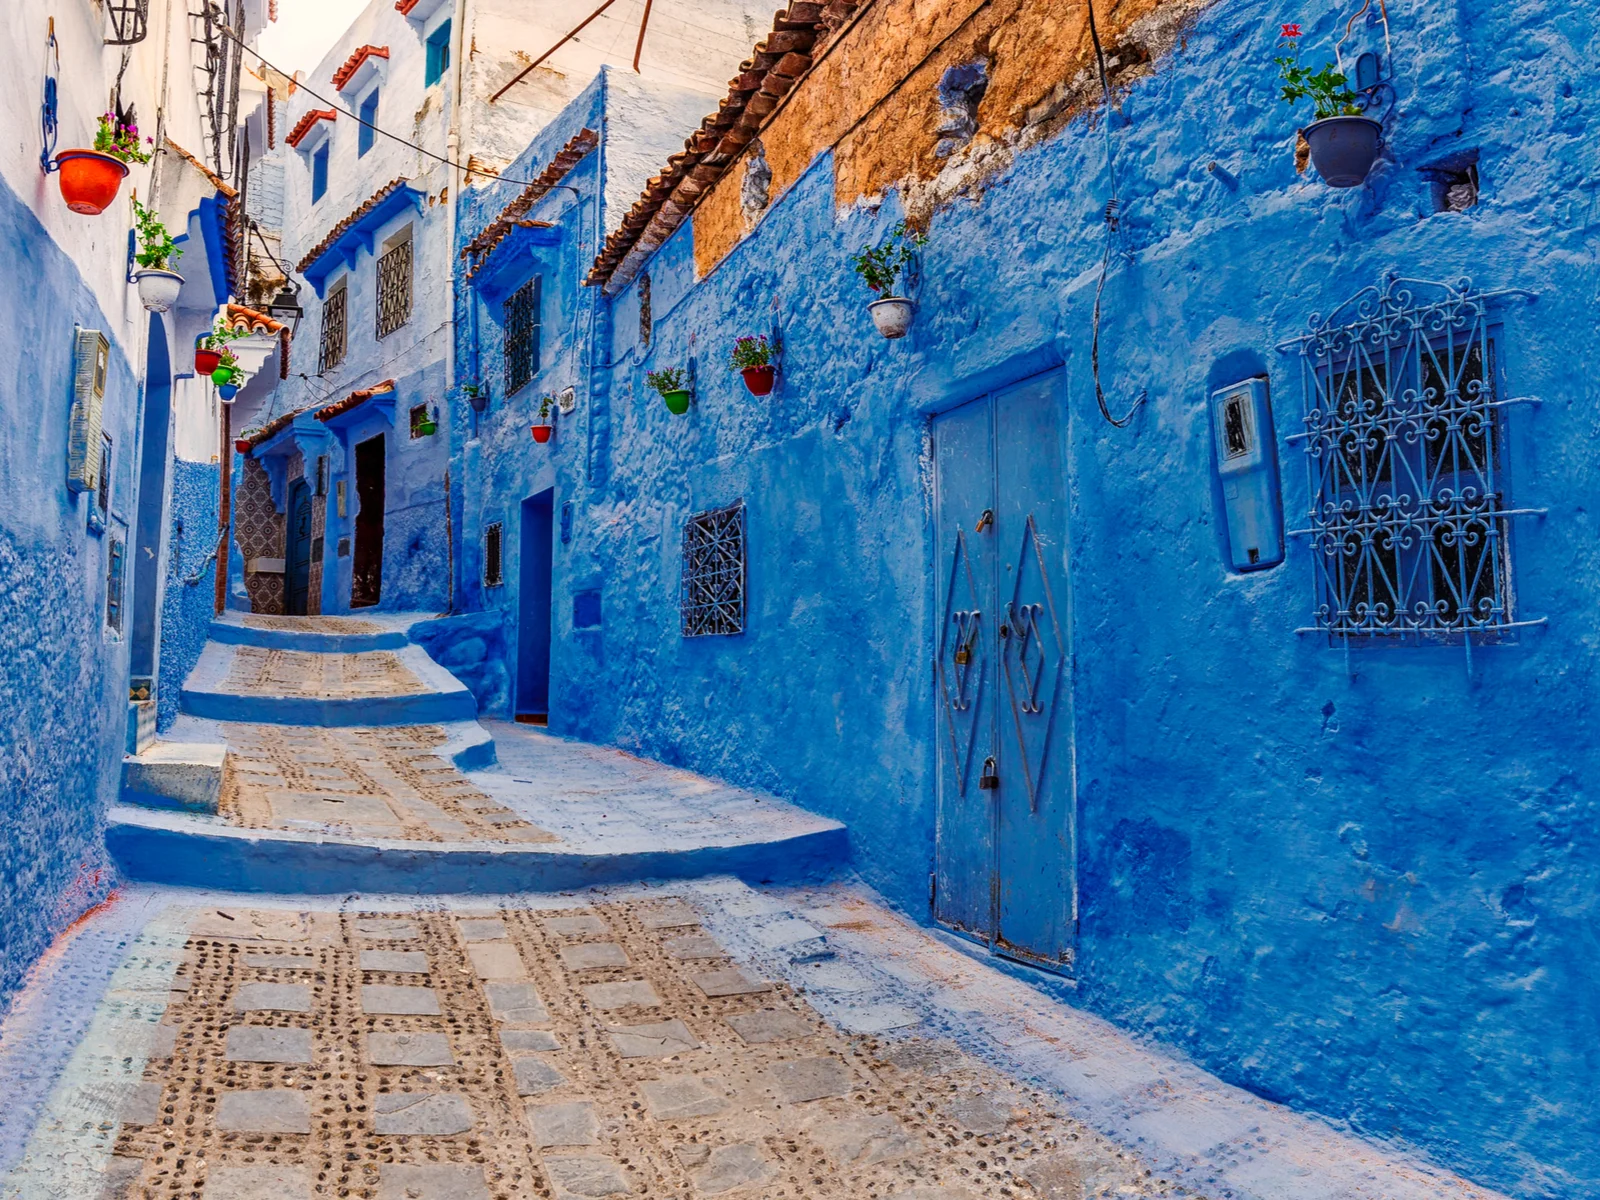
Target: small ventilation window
[[419, 421], [114, 580], [369, 118], [493, 564], [1453, 182]]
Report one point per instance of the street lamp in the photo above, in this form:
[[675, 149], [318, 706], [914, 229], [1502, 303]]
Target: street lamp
[[285, 308]]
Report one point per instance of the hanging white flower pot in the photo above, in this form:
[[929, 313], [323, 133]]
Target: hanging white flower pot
[[158, 290], [892, 315]]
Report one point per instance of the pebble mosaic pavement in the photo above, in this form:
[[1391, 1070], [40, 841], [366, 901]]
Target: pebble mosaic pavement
[[320, 676], [561, 1054], [382, 782]]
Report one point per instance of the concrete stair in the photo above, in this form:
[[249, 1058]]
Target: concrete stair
[[178, 775]]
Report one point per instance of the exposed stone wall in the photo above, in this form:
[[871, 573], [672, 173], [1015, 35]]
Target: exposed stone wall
[[880, 99]]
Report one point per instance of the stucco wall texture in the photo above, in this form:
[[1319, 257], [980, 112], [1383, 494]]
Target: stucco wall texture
[[187, 608], [66, 696], [1358, 885]]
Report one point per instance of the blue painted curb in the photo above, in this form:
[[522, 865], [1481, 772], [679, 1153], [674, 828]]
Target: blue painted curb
[[422, 708], [242, 860], [229, 634]]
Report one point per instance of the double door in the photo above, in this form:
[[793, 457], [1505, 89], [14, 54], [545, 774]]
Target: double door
[[1006, 871]]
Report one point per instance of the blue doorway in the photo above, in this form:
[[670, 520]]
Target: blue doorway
[[533, 609], [150, 519], [1006, 857]]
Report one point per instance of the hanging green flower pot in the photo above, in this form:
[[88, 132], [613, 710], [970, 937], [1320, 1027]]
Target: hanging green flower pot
[[222, 375], [677, 401], [669, 382]]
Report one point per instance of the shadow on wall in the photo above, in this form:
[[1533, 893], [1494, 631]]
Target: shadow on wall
[[472, 647]]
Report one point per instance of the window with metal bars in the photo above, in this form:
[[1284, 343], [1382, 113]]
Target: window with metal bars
[[1403, 435], [493, 566], [394, 286], [114, 584], [522, 335], [333, 328], [711, 599]]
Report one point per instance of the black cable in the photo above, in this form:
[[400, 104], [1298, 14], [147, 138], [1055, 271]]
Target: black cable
[[1113, 215], [255, 228], [394, 137]]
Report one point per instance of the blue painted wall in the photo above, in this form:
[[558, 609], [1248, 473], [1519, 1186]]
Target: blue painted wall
[[66, 699], [1362, 887], [189, 602]]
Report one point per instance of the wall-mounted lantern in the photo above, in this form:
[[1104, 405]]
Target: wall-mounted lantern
[[130, 21]]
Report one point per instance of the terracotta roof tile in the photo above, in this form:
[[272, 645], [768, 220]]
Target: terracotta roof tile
[[304, 124], [776, 64], [404, 7], [355, 398], [212, 177], [273, 427], [338, 230], [353, 64], [251, 321], [579, 145]]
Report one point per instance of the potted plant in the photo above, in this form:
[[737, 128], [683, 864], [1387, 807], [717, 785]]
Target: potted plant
[[227, 392], [879, 267], [227, 367], [208, 347], [543, 430], [243, 441], [428, 426], [669, 382], [1344, 141], [90, 179], [752, 358], [158, 283], [477, 395]]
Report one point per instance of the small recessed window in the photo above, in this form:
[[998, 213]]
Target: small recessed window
[[492, 563], [369, 118], [438, 54], [421, 423], [319, 172], [711, 596]]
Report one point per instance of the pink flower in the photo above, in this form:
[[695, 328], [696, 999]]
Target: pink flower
[[1291, 31]]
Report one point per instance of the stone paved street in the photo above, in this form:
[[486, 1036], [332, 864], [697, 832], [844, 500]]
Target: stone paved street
[[697, 1040]]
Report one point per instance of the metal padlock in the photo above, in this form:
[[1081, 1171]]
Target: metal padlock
[[963, 656], [990, 779]]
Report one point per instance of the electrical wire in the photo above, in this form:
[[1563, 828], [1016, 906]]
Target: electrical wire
[[1113, 225], [393, 137]]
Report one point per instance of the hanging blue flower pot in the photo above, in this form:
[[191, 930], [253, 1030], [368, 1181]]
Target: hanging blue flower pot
[[227, 391]]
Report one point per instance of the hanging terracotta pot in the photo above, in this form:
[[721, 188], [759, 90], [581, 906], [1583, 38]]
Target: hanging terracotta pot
[[206, 361], [760, 379], [543, 433], [89, 180]]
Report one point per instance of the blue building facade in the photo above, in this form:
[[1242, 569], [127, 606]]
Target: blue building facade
[[1348, 870]]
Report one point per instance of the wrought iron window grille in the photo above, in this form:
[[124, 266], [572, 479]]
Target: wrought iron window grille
[[522, 335], [1403, 436], [394, 288], [493, 555], [333, 330], [711, 600]]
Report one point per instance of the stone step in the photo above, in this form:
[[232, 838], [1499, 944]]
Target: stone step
[[316, 635], [180, 775], [187, 850], [403, 686]]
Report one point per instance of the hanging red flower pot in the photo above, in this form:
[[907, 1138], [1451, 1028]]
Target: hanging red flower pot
[[543, 428], [760, 380], [206, 361], [242, 445], [543, 433], [89, 180]]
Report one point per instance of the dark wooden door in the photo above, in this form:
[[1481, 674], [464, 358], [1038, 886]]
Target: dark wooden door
[[297, 549], [366, 578]]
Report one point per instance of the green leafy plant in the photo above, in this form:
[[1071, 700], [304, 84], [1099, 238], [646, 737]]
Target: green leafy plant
[[749, 352], [226, 358], [546, 402], [1325, 88], [670, 379], [120, 141], [879, 266], [156, 247], [221, 334]]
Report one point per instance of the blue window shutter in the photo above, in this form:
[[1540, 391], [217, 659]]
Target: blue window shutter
[[319, 172], [438, 54], [368, 113]]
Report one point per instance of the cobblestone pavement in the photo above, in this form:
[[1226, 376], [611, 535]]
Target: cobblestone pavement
[[320, 676], [608, 1050], [307, 624], [673, 1042], [384, 783]]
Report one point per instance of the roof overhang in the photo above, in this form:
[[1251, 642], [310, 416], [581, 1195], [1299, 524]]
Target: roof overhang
[[360, 233]]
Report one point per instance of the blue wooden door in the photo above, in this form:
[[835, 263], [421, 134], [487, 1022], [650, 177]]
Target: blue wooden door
[[297, 554], [1007, 831]]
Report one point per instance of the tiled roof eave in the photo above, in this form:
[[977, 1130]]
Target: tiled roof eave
[[780, 61], [568, 157]]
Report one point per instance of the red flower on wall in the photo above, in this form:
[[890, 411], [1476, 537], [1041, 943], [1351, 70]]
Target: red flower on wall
[[1291, 31]]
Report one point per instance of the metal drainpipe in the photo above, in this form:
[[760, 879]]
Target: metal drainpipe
[[458, 42]]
